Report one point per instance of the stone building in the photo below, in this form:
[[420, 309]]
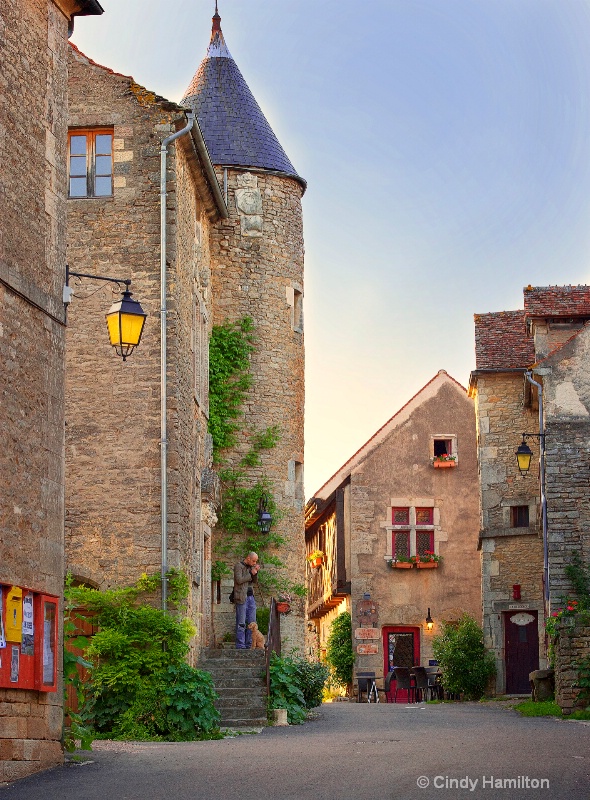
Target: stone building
[[114, 434], [235, 249], [257, 272], [32, 340], [410, 490], [547, 339]]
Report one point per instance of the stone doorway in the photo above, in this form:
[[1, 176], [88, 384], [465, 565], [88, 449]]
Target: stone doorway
[[521, 649]]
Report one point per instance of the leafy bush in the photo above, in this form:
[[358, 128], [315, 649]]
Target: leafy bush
[[466, 665], [296, 685], [339, 652], [140, 686]]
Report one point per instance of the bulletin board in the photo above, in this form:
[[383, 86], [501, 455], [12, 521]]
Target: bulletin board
[[28, 639]]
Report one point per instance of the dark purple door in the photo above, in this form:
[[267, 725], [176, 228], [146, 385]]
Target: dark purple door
[[521, 641]]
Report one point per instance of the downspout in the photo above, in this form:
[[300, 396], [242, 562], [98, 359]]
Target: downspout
[[528, 376], [163, 352]]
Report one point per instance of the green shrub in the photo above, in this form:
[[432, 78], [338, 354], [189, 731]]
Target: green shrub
[[339, 652], [466, 665], [296, 685], [140, 686]]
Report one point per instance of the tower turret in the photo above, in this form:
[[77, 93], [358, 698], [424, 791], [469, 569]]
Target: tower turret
[[257, 272], [234, 127]]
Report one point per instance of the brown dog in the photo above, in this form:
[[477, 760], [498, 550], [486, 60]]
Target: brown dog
[[257, 637]]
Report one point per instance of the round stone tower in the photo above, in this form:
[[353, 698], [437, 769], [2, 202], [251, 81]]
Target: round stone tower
[[257, 272]]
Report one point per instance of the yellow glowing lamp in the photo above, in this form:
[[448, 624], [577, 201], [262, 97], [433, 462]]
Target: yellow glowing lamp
[[429, 621], [523, 457], [125, 321]]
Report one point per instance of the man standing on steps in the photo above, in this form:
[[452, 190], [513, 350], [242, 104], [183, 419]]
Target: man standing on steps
[[245, 575]]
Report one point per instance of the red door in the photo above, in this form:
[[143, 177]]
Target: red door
[[521, 649]]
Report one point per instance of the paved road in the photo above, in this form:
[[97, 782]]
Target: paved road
[[351, 752]]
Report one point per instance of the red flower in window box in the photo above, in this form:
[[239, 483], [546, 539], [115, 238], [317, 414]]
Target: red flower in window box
[[428, 560], [444, 461]]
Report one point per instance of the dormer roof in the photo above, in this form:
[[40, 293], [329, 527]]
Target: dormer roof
[[235, 130]]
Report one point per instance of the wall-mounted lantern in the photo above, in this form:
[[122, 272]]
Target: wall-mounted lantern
[[429, 622], [264, 520], [125, 318]]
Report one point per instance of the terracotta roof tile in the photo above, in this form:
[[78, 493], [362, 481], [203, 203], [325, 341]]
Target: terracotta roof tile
[[557, 301], [501, 341]]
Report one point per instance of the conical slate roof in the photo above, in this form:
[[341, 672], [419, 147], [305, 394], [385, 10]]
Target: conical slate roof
[[235, 130]]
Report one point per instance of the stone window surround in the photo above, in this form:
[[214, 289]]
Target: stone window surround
[[294, 294], [508, 502], [412, 503], [447, 437]]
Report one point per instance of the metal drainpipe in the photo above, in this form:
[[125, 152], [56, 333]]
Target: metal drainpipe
[[528, 376], [163, 350]]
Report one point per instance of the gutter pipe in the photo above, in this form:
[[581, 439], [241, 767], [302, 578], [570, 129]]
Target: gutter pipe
[[163, 356]]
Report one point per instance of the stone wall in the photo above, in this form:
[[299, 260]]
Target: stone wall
[[113, 501], [509, 555], [257, 269], [32, 257], [572, 647]]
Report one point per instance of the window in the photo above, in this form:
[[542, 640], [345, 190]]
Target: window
[[519, 516], [443, 447], [90, 163], [412, 531]]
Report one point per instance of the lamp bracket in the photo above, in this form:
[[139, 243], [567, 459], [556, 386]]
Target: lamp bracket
[[68, 291]]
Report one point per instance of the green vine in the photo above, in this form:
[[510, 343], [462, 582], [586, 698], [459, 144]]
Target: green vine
[[230, 349]]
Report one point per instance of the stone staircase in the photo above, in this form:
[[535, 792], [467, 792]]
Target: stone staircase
[[240, 681]]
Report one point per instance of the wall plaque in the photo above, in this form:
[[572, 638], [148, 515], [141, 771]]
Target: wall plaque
[[367, 649], [367, 633]]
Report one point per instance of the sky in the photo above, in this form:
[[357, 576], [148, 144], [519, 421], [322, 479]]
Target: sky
[[446, 145]]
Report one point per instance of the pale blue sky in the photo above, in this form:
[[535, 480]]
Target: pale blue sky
[[446, 147]]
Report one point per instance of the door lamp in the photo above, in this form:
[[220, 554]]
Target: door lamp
[[429, 622], [125, 318]]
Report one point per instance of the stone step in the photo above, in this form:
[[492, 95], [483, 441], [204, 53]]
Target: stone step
[[241, 713], [223, 682], [218, 653], [241, 702], [247, 675], [255, 722]]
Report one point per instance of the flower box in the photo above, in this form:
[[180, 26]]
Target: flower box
[[427, 564], [402, 565], [317, 562], [283, 608], [444, 464]]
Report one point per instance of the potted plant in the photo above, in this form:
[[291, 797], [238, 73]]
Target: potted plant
[[401, 562], [316, 558], [284, 603], [444, 460], [428, 560]]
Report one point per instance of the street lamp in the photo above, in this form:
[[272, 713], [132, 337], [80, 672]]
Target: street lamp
[[524, 455], [264, 520], [125, 318]]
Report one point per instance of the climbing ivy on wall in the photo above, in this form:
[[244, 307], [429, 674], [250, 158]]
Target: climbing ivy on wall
[[230, 349]]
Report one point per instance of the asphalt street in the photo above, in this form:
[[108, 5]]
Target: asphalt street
[[350, 752]]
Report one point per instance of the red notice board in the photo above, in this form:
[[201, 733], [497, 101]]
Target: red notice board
[[28, 639]]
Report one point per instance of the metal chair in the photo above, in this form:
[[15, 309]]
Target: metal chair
[[422, 684], [387, 686], [434, 683], [403, 680]]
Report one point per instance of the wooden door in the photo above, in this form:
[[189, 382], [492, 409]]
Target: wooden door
[[521, 649]]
